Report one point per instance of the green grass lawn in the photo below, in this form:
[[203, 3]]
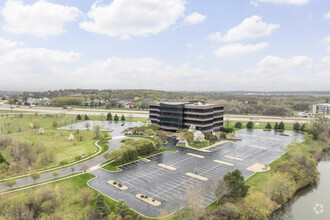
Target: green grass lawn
[[201, 145], [258, 180], [55, 140], [134, 119], [262, 125]]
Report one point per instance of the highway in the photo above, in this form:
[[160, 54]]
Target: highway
[[145, 114]]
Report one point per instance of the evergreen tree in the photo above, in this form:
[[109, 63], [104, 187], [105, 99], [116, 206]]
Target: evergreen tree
[[116, 118], [296, 126], [122, 118], [249, 125], [79, 117], [86, 117], [281, 126], [268, 126], [302, 128], [109, 117], [101, 209], [236, 184], [121, 208], [276, 126]]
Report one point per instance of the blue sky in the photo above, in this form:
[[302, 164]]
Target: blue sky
[[207, 45]]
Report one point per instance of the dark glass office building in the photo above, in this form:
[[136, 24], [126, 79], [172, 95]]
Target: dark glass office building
[[171, 116]]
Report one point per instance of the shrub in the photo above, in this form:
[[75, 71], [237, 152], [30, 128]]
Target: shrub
[[223, 135], [226, 130], [249, 125], [63, 162], [279, 187], [256, 206], [153, 200], [114, 183], [146, 197], [142, 196], [120, 185], [238, 125], [149, 132]]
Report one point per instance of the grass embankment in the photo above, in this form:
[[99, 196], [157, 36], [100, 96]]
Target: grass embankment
[[68, 203]]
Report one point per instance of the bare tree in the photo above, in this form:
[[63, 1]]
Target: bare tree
[[85, 195], [221, 189], [87, 125], [195, 199]]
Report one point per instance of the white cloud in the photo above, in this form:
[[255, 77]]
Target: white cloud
[[326, 41], [6, 44], [42, 69], [194, 18], [239, 50], [270, 65], [134, 18], [36, 69], [325, 60], [250, 28], [41, 18], [216, 36], [287, 2], [189, 45], [327, 15]]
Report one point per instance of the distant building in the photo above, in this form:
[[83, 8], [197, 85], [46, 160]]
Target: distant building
[[129, 105], [172, 116], [320, 108]]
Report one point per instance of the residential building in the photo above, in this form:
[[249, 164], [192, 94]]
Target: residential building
[[171, 116]]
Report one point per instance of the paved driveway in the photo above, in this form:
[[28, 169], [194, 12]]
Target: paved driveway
[[169, 186]]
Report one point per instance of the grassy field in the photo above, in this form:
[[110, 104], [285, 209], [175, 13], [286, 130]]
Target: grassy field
[[57, 141], [134, 119], [262, 125]]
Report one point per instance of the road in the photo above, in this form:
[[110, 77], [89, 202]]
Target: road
[[145, 114]]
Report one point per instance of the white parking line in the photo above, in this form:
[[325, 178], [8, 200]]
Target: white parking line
[[195, 155], [234, 158]]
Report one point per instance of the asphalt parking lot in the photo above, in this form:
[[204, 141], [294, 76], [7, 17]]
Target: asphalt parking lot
[[169, 186]]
